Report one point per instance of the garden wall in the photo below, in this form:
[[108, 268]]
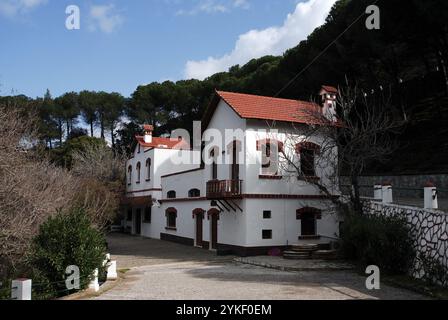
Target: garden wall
[[429, 230]]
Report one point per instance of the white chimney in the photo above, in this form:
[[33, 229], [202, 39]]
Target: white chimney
[[148, 129]]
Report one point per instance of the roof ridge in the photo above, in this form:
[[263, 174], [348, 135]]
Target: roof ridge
[[219, 92]]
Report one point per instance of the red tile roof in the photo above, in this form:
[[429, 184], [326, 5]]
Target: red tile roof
[[330, 89], [266, 108], [162, 143]]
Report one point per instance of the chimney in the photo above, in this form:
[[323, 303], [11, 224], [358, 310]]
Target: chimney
[[148, 129], [328, 95]]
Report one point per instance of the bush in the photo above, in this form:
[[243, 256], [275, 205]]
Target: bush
[[65, 240], [378, 240]]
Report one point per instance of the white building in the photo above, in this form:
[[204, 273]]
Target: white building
[[240, 205]]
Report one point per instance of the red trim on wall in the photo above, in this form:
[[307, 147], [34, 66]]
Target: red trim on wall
[[315, 211], [307, 145], [269, 177], [182, 172], [213, 211], [147, 190], [270, 141], [183, 199], [198, 212], [285, 196]]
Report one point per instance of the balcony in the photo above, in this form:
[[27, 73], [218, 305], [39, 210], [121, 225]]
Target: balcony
[[224, 189]]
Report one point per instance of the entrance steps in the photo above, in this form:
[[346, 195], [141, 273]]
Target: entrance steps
[[309, 251]]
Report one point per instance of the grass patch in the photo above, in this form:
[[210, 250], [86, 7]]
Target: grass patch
[[419, 286]]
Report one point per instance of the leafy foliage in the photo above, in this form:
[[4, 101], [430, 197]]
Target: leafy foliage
[[65, 240], [378, 240]]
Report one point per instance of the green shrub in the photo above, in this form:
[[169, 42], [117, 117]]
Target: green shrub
[[65, 240], [378, 240]]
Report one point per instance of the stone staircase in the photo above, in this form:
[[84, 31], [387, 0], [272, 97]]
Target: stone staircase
[[309, 251]]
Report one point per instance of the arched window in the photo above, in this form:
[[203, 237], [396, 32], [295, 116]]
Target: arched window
[[194, 193], [130, 175], [148, 169], [214, 156], [307, 152], [270, 150], [171, 194], [171, 217], [139, 169]]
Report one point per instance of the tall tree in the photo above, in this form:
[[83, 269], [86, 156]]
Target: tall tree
[[70, 109], [113, 110], [88, 102]]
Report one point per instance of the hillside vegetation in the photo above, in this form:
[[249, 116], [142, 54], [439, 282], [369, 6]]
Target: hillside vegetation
[[408, 56]]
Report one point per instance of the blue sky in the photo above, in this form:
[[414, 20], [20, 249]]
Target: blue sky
[[122, 44]]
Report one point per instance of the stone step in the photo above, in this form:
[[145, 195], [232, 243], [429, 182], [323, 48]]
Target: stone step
[[325, 254], [305, 247], [294, 255]]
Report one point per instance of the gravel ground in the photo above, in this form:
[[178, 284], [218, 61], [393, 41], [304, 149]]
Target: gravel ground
[[167, 271]]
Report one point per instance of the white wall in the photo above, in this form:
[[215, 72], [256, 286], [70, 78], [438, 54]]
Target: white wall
[[285, 227]]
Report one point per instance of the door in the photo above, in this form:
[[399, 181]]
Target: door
[[214, 227], [138, 222], [235, 165], [308, 224], [199, 219]]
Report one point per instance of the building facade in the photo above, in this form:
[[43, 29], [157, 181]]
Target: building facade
[[254, 187]]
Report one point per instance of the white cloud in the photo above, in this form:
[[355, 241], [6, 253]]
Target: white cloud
[[11, 8], [241, 4], [104, 18], [214, 6], [271, 41]]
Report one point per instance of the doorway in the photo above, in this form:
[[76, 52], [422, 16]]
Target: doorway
[[308, 224], [214, 232], [138, 222], [199, 233]]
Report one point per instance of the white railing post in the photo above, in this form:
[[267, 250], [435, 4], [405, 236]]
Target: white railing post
[[21, 289], [378, 192], [431, 201], [387, 193], [112, 271], [94, 285]]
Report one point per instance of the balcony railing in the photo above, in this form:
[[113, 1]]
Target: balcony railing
[[224, 189]]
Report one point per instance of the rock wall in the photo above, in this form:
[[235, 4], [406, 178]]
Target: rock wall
[[429, 230]]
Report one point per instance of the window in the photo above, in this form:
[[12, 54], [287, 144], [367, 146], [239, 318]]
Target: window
[[130, 175], [214, 165], [129, 216], [171, 194], [307, 152], [194, 193], [171, 217], [307, 163], [267, 234], [269, 156], [139, 169], [147, 216], [267, 214], [148, 169]]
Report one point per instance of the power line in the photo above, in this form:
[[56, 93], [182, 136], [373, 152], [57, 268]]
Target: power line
[[320, 54]]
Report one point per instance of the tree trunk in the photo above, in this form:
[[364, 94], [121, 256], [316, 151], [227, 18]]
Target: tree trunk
[[68, 128], [112, 135], [60, 132], [91, 128], [102, 127]]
